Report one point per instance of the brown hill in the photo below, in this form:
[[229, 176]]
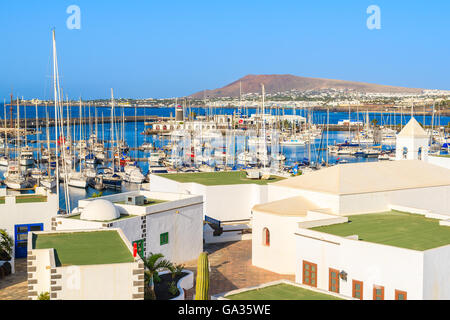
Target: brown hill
[[285, 82]]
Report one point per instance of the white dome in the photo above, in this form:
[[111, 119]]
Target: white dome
[[100, 210]]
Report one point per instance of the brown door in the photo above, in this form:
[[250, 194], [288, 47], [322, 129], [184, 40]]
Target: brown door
[[333, 282], [310, 273]]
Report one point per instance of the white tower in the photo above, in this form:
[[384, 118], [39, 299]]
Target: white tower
[[412, 142]]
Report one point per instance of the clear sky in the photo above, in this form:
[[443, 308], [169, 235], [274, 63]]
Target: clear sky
[[175, 48]]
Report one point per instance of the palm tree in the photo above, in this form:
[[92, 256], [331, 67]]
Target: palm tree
[[153, 264], [6, 245]]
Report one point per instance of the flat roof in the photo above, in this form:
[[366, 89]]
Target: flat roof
[[281, 291], [217, 178], [394, 228], [85, 248], [367, 177]]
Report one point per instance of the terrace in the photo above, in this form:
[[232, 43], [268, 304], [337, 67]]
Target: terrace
[[84, 248], [218, 178], [393, 228], [282, 291]]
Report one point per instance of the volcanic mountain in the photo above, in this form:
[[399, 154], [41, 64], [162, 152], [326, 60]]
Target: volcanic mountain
[[276, 83]]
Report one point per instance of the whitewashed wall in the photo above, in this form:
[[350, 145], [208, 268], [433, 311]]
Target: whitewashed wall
[[185, 233], [225, 202], [439, 161], [280, 256], [437, 274], [374, 264], [98, 282], [27, 213], [434, 199]]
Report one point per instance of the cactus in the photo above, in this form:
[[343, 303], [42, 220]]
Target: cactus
[[202, 284]]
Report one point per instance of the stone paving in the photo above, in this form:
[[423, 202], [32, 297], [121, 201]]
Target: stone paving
[[231, 268], [230, 263], [14, 286]]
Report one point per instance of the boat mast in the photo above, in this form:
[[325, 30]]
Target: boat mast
[[112, 130]]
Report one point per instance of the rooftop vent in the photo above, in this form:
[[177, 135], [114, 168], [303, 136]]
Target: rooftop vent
[[135, 200]]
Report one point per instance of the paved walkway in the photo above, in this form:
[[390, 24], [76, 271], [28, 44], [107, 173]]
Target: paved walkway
[[231, 268], [230, 263], [14, 286]]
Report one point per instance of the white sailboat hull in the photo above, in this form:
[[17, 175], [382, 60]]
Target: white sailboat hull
[[49, 184]]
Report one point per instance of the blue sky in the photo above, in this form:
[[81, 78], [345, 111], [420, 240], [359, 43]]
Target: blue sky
[[176, 48]]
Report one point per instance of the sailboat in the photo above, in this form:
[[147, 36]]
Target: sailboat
[[109, 178], [14, 178], [77, 178]]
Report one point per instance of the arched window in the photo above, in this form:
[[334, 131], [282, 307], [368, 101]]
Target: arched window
[[266, 237], [419, 153], [405, 152]]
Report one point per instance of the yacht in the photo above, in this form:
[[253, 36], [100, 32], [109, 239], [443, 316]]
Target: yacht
[[48, 182], [78, 180], [26, 156], [4, 161], [293, 142], [14, 179]]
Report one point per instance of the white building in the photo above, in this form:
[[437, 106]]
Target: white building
[[226, 203], [21, 213], [167, 223], [84, 265], [283, 240], [412, 142]]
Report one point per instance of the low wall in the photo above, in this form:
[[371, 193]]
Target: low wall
[[227, 203]]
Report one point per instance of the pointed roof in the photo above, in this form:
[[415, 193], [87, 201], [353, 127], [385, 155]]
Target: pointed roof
[[368, 177], [413, 130]]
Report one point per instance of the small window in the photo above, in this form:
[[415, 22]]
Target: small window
[[266, 237], [35, 228], [310, 273], [400, 295], [164, 238], [378, 293], [140, 247], [22, 229], [357, 291], [333, 284], [22, 236]]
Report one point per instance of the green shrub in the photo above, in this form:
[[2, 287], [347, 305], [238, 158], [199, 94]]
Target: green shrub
[[173, 288], [44, 296]]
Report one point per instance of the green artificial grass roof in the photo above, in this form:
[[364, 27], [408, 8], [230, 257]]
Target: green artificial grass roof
[[394, 228], [27, 198], [218, 178], [281, 292], [85, 248]]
